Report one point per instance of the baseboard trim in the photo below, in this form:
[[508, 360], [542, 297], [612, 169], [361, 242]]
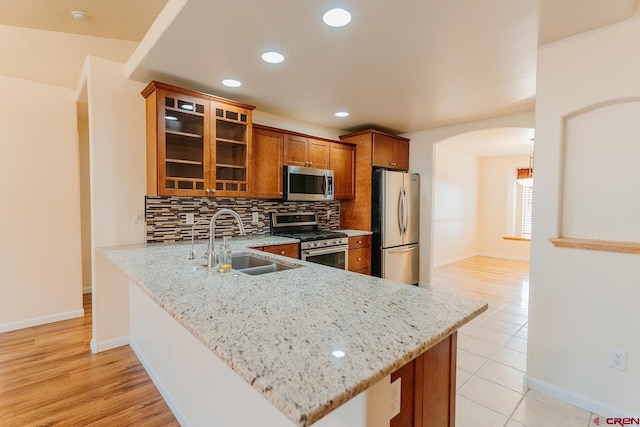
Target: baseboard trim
[[97, 347], [163, 391], [575, 399], [426, 285], [452, 260], [503, 256], [37, 321]]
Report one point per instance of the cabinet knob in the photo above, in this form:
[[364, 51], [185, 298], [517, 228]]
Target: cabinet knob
[[359, 259], [208, 190], [359, 241], [281, 252], [310, 163]]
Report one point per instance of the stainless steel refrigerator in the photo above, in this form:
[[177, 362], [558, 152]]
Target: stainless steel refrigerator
[[396, 226]]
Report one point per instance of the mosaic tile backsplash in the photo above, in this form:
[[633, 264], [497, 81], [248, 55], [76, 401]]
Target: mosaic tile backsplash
[[166, 216]]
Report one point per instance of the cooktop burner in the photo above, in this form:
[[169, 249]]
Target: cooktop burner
[[301, 226]]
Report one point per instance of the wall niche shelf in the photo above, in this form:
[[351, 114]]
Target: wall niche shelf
[[597, 206], [596, 245]]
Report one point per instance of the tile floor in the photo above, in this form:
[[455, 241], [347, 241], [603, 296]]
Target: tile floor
[[492, 360]]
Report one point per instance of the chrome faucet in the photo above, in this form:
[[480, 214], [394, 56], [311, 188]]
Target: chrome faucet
[[192, 252], [211, 257]]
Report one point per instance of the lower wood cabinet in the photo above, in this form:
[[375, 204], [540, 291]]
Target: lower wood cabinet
[[289, 250], [360, 254], [428, 388]]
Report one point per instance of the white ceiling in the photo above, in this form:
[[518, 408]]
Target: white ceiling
[[114, 19], [402, 66], [492, 142]]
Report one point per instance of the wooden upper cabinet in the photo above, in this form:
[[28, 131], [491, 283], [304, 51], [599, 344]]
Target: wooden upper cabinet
[[343, 163], [318, 153], [266, 163], [197, 144], [232, 127], [390, 152], [308, 152], [295, 150]]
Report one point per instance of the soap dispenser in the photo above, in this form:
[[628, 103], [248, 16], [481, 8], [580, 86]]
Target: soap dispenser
[[224, 256]]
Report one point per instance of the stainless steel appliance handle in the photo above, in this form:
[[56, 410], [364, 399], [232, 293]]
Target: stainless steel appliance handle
[[405, 211], [409, 249], [323, 251], [400, 212], [325, 185]]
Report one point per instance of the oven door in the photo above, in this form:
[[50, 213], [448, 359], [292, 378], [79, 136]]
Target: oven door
[[335, 256]]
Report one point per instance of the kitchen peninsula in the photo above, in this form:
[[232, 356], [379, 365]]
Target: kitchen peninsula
[[318, 343]]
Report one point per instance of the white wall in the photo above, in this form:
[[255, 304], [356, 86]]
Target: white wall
[[455, 206], [118, 176], [85, 193], [582, 302], [496, 206], [421, 160], [40, 262]]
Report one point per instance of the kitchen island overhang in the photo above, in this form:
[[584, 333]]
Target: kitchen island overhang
[[307, 339]]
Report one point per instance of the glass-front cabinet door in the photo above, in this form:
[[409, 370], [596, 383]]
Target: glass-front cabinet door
[[183, 150], [232, 149], [197, 144]]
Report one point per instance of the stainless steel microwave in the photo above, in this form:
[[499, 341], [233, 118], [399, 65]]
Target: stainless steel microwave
[[307, 184]]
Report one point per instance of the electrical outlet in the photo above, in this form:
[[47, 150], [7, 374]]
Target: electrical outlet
[[395, 398], [254, 217], [329, 213], [136, 220], [618, 359], [190, 218]]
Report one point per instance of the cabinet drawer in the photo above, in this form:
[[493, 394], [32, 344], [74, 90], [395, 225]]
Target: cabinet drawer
[[290, 250], [359, 259], [366, 271], [359, 242]]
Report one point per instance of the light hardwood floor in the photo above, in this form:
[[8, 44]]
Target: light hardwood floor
[[49, 377], [495, 280]]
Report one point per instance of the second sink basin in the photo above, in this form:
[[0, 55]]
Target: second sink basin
[[253, 265]]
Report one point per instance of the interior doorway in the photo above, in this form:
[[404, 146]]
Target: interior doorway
[[476, 200]]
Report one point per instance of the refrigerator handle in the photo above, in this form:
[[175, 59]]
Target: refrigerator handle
[[403, 249], [405, 211], [401, 212]]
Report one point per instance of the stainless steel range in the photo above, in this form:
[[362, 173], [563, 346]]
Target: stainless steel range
[[319, 246]]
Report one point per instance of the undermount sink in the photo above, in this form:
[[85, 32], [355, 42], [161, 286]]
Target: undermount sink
[[253, 265]]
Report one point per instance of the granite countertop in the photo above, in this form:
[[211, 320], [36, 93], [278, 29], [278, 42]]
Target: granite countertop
[[355, 233], [279, 331]]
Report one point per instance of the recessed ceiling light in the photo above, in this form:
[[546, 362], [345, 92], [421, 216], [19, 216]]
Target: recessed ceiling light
[[342, 114], [337, 18], [272, 57], [231, 83], [79, 15]]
